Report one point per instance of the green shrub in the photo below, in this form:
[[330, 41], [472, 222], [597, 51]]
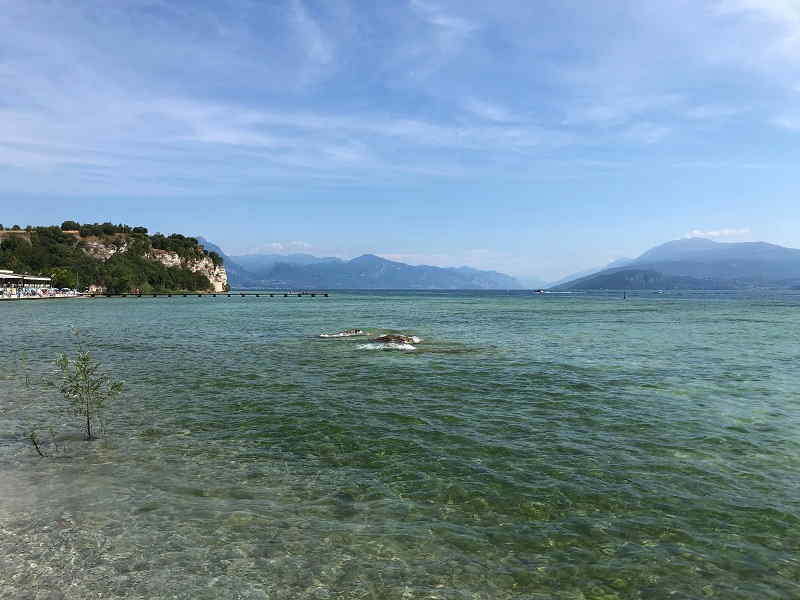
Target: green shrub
[[86, 389]]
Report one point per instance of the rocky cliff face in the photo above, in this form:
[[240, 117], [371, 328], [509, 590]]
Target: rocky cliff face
[[216, 274], [104, 249]]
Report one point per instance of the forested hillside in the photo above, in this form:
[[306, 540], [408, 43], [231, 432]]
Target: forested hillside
[[119, 258]]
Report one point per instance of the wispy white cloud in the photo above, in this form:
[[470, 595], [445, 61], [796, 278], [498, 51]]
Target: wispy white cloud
[[788, 121], [281, 248], [782, 16], [438, 43], [163, 88], [618, 109], [60, 94], [707, 112], [314, 42], [748, 48], [488, 111], [124, 124], [646, 133], [728, 165], [452, 28], [717, 233]]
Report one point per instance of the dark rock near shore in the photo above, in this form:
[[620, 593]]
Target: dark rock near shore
[[396, 338]]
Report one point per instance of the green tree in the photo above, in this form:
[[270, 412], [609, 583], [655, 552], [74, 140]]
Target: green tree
[[64, 278], [70, 226], [215, 258], [87, 389]]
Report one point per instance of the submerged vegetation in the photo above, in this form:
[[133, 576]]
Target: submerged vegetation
[[63, 254]]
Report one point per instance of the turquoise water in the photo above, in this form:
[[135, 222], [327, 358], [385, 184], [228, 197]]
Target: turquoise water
[[532, 447]]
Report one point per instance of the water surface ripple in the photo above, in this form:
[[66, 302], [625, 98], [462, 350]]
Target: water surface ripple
[[568, 447]]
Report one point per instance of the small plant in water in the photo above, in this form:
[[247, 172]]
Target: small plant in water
[[87, 389], [34, 438]]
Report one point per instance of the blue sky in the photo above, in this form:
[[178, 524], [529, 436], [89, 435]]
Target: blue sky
[[537, 138]]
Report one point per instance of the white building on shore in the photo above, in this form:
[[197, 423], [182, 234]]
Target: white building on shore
[[18, 284]]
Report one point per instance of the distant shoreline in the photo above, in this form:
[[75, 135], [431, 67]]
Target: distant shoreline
[[15, 298], [267, 294]]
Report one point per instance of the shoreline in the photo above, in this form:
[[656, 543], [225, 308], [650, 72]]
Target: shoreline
[[271, 294], [15, 298]]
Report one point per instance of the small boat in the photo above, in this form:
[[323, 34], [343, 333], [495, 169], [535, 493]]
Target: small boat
[[538, 291]]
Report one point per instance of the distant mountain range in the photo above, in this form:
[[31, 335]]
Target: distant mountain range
[[698, 263], [620, 262], [304, 271]]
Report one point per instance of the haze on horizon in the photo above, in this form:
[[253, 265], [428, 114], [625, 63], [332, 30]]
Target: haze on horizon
[[529, 138]]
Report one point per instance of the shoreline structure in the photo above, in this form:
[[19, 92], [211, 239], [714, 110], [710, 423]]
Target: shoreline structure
[[16, 286], [271, 294]]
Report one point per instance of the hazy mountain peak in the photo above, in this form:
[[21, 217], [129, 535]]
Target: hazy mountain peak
[[614, 264], [369, 258], [676, 249], [698, 263]]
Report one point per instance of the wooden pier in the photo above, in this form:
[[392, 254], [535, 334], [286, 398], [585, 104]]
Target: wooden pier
[[176, 295], [213, 295]]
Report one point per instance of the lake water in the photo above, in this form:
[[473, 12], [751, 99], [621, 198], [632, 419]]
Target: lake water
[[532, 447]]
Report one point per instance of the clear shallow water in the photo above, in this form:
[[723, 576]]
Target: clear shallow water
[[568, 447]]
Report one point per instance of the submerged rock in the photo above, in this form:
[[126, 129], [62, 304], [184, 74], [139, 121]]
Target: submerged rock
[[345, 333]]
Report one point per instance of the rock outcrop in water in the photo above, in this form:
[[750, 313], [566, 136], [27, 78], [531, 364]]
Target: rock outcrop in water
[[392, 341], [396, 338], [345, 333]]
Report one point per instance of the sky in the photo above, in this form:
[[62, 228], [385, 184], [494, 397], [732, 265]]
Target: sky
[[535, 138]]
